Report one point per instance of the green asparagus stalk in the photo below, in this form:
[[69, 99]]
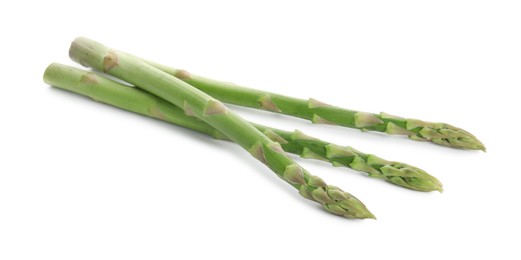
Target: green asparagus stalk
[[107, 91], [195, 102], [322, 113]]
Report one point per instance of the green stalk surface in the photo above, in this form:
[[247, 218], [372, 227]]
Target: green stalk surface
[[322, 113], [197, 103], [104, 90]]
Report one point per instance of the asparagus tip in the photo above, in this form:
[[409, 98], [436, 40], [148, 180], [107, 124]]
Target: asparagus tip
[[444, 134], [370, 216], [407, 176]]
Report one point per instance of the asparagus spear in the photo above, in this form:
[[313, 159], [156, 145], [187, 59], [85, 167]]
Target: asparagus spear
[[321, 113], [195, 102], [113, 93]]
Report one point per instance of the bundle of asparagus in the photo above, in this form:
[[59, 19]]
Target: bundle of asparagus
[[193, 102]]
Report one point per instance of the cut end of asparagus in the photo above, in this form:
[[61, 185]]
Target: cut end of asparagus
[[443, 134], [80, 52], [50, 72]]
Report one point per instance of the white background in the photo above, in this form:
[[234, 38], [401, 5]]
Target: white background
[[81, 180]]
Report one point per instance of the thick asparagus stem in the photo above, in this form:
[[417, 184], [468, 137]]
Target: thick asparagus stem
[[113, 93], [195, 102], [321, 113]]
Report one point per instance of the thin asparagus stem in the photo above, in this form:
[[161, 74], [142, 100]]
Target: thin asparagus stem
[[107, 91], [322, 113]]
